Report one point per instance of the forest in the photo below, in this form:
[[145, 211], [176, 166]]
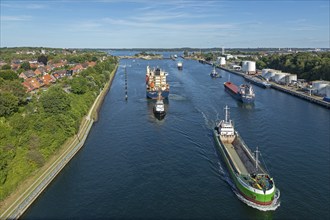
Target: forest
[[307, 65], [34, 126]]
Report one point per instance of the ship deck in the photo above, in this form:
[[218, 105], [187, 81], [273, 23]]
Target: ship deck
[[244, 164], [235, 159]]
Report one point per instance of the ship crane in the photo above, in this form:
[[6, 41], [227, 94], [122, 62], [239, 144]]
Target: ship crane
[[257, 155]]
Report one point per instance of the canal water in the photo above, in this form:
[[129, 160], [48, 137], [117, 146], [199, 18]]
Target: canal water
[[135, 166]]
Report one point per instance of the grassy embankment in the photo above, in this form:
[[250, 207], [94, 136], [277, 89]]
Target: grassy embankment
[[25, 188]]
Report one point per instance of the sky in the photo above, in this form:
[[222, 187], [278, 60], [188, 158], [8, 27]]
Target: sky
[[165, 23]]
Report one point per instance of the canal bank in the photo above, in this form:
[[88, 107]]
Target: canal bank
[[28, 191]]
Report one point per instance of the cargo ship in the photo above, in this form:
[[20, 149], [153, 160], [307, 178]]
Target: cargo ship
[[257, 81], [243, 93], [156, 82], [251, 179]]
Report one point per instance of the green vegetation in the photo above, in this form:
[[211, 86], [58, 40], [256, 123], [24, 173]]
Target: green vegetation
[[307, 65], [31, 131]]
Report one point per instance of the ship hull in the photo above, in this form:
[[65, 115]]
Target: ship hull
[[154, 94], [233, 91], [263, 199], [159, 115]]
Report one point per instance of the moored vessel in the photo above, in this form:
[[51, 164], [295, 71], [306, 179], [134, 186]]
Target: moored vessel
[[155, 82], [243, 93], [251, 180], [257, 81]]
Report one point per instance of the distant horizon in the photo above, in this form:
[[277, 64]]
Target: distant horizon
[[165, 24], [165, 48]]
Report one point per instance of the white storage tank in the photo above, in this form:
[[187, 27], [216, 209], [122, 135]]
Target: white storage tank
[[222, 61], [318, 85], [251, 66], [290, 78], [244, 66], [264, 72], [327, 92], [280, 77]]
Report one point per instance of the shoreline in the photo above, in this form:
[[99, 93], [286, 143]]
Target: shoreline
[[288, 90], [28, 191]]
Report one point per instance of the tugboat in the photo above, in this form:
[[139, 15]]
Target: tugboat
[[250, 178], [159, 108], [215, 74], [180, 65], [243, 93]]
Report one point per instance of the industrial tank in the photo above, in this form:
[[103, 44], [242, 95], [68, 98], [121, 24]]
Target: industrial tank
[[251, 66], [222, 61]]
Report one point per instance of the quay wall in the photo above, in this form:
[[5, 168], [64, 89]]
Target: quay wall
[[288, 91]]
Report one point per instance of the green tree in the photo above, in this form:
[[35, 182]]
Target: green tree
[[55, 101], [6, 67], [43, 59], [79, 85], [8, 74], [25, 66], [8, 104]]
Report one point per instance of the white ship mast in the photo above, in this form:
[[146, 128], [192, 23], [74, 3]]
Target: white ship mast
[[257, 155]]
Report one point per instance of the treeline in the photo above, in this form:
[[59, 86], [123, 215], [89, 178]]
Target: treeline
[[33, 128], [307, 65]]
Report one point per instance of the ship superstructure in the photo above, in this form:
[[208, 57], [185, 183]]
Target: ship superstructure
[[156, 82]]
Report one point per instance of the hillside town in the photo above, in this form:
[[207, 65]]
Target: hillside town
[[43, 73]]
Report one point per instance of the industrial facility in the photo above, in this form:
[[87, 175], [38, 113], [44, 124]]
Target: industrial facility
[[279, 77]]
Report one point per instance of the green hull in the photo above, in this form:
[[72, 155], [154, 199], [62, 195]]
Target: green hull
[[246, 191]]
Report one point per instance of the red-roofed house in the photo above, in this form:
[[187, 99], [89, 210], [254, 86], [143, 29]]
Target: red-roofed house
[[91, 64], [31, 84], [40, 71], [77, 68], [48, 79], [27, 74]]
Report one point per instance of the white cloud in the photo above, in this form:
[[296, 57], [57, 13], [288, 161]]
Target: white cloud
[[15, 18]]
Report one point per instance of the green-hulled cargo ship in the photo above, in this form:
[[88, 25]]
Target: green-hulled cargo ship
[[250, 178]]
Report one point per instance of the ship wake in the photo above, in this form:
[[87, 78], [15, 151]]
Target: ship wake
[[272, 207]]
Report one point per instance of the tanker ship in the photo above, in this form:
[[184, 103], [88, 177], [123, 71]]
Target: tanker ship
[[243, 93], [156, 82], [250, 178]]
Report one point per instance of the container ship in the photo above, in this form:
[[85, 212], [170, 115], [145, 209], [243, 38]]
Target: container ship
[[156, 82], [257, 81], [243, 93], [250, 178]]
